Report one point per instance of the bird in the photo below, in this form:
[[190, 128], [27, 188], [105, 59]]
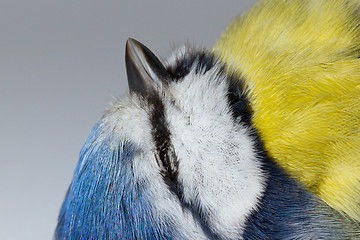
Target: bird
[[299, 61], [179, 157]]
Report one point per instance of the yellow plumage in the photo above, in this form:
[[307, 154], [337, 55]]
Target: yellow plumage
[[300, 62]]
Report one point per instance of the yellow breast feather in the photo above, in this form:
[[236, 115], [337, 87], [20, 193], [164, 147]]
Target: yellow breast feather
[[300, 63]]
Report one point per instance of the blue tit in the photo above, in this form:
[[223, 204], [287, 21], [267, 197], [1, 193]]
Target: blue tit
[[179, 158], [300, 63]]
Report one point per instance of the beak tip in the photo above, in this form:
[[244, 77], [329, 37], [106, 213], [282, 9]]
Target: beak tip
[[132, 44], [129, 41]]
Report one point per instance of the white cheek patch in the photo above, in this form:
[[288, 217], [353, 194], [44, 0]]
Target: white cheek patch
[[218, 165]]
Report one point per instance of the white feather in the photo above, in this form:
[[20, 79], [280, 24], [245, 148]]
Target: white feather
[[218, 166]]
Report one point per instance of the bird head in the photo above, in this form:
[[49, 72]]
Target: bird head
[[176, 158]]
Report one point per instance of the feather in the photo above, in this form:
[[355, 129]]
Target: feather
[[300, 63]]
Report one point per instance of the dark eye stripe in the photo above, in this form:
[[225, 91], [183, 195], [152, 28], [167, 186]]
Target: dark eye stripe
[[165, 153]]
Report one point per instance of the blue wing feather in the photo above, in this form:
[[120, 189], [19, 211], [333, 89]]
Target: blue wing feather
[[104, 201]]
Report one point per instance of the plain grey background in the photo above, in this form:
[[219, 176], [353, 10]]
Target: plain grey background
[[61, 63]]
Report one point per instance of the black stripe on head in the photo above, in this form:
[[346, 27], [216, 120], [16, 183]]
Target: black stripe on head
[[204, 62], [165, 153], [238, 100]]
